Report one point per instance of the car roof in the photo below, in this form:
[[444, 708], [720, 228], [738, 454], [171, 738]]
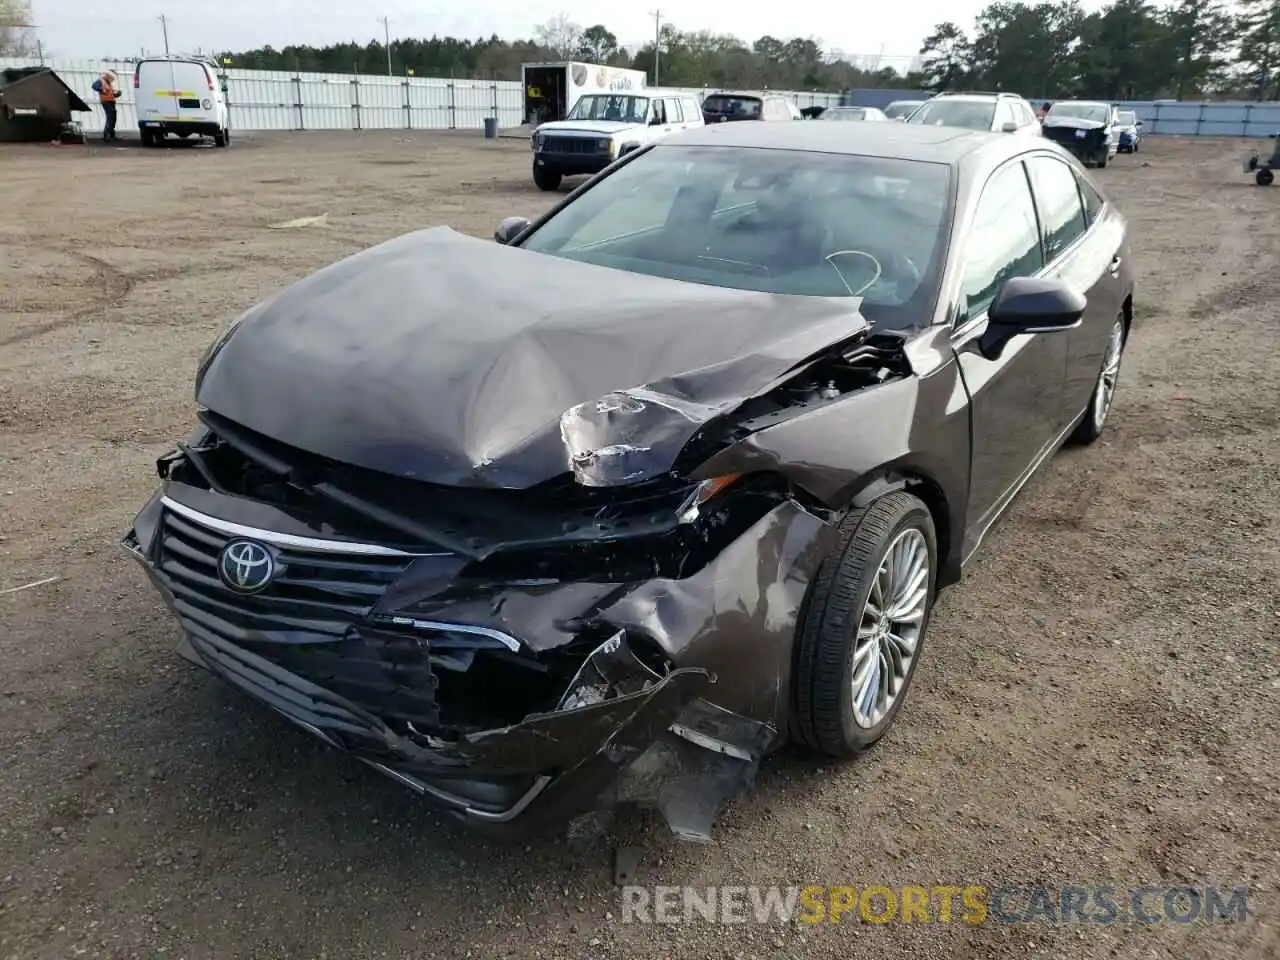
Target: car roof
[[896, 141], [758, 94], [1082, 103], [974, 97]]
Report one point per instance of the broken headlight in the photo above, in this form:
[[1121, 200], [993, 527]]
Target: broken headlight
[[626, 437]]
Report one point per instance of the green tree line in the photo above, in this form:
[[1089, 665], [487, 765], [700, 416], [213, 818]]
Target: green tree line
[[1129, 49]]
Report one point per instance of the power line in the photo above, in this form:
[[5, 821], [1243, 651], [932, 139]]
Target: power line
[[164, 25]]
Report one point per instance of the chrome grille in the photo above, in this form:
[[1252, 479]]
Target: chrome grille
[[314, 596], [574, 145]]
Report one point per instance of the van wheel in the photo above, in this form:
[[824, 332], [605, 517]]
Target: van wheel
[[148, 139], [221, 138]]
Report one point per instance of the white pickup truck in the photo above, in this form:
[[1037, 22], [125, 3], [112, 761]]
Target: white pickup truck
[[602, 127]]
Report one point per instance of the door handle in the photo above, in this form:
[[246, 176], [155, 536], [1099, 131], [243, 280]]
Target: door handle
[[1115, 265]]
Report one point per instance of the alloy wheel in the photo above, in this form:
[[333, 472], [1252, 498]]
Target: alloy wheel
[[890, 627], [1110, 375]]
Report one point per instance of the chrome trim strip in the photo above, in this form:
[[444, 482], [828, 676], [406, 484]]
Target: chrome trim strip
[[714, 744], [517, 808], [419, 786], [508, 641], [288, 540]]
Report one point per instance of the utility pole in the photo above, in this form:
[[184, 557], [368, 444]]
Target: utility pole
[[164, 25], [657, 41], [386, 33]]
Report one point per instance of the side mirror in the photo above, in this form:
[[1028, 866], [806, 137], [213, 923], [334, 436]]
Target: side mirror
[[1009, 127], [1026, 305], [1138, 124], [510, 228]]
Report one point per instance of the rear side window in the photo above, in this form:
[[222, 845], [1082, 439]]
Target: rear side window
[[733, 106], [1004, 241], [674, 115], [691, 109], [1058, 200], [1093, 202]]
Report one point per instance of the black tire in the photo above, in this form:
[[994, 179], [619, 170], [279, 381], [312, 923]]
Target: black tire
[[1102, 160], [1090, 428], [545, 179], [1264, 177], [822, 681], [145, 137], [221, 138]]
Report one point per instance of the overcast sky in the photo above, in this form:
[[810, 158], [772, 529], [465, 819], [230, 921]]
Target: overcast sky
[[78, 28]]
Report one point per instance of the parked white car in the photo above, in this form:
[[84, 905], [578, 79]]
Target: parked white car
[[853, 113], [602, 127]]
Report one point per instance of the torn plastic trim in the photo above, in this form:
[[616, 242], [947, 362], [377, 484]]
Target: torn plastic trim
[[612, 668]]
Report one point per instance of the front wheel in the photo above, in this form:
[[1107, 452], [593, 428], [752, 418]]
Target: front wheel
[[1104, 390], [1102, 160], [863, 626], [1264, 177], [546, 179]]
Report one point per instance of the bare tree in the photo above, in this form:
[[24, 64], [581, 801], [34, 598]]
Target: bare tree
[[560, 35], [17, 38]]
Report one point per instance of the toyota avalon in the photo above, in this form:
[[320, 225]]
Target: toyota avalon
[[608, 510]]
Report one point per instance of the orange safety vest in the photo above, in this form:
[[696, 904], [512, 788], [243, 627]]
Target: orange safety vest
[[107, 94]]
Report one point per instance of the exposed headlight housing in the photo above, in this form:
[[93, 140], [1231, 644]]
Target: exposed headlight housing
[[707, 489]]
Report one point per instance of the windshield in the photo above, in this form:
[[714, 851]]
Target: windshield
[[610, 106], [900, 108], [1128, 118], [778, 221], [732, 106], [844, 113], [1082, 111], [974, 114]]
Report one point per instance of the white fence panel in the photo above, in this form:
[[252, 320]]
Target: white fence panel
[[284, 100]]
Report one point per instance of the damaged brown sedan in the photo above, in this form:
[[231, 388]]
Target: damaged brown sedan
[[608, 510]]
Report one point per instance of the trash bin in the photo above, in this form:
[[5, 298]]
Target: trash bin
[[491, 128]]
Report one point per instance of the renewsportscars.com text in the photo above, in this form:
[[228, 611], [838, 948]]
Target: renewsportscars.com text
[[971, 904]]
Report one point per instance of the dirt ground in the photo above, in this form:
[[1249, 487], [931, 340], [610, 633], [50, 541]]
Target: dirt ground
[[1097, 706]]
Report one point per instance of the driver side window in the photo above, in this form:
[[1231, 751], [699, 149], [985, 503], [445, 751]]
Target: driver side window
[[1003, 242]]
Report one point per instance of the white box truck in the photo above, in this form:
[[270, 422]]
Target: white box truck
[[551, 89]]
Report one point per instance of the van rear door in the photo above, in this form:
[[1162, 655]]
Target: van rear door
[[156, 98], [192, 88]]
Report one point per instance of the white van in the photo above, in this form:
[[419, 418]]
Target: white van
[[180, 95]]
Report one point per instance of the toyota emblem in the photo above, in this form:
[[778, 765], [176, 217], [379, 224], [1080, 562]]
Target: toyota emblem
[[246, 566]]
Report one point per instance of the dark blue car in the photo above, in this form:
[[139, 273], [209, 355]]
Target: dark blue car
[[1130, 129]]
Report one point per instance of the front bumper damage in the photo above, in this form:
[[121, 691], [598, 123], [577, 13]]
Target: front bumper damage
[[374, 650]]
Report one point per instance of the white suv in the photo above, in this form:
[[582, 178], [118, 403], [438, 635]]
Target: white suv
[[996, 112], [604, 126]]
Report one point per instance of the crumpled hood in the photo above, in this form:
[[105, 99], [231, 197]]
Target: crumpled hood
[[444, 358]]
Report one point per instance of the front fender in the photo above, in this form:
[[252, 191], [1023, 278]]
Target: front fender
[[914, 427]]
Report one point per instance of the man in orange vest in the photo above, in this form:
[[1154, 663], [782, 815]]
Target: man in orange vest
[[107, 96]]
